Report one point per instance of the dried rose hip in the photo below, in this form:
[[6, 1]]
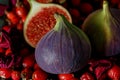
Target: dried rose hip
[[15, 75], [87, 76], [39, 75], [5, 73], [65, 76], [114, 72]]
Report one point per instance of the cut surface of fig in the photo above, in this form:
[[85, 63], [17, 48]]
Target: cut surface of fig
[[40, 20]]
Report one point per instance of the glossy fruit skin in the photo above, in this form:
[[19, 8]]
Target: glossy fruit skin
[[26, 73], [28, 61], [87, 76], [21, 12], [76, 3], [14, 19], [75, 15], [5, 73], [86, 8], [15, 75], [65, 76], [20, 26], [39, 75], [100, 26], [114, 72], [63, 54], [36, 66]]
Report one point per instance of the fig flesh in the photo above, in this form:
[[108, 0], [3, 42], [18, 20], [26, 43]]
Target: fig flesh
[[40, 20]]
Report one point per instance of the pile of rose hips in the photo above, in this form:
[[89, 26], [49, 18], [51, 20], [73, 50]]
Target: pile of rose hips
[[27, 68]]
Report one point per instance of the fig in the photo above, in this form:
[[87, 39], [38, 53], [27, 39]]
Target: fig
[[40, 20], [64, 49], [44, 1], [103, 29]]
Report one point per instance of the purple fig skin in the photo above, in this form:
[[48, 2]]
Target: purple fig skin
[[64, 49]]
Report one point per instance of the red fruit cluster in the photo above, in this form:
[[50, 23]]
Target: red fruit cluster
[[102, 69], [17, 15], [114, 72]]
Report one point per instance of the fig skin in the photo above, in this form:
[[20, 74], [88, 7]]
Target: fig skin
[[64, 49], [103, 28]]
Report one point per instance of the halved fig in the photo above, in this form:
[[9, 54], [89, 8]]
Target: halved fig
[[41, 19]]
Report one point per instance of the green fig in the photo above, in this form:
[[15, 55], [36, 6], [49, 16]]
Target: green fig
[[103, 29]]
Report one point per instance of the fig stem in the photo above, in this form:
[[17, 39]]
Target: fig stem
[[105, 6], [59, 21]]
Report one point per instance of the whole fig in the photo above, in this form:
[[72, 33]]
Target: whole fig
[[64, 49], [103, 29]]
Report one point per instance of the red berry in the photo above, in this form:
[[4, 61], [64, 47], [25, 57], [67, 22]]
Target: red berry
[[75, 13], [5, 73], [75, 3], [24, 52], [87, 76], [23, 18], [114, 72], [15, 75], [39, 75], [28, 61], [26, 73], [86, 8], [114, 2], [20, 26], [21, 11], [36, 67], [14, 19], [65, 76]]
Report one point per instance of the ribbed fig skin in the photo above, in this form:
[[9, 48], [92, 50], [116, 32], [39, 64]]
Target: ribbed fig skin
[[64, 51], [103, 31]]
